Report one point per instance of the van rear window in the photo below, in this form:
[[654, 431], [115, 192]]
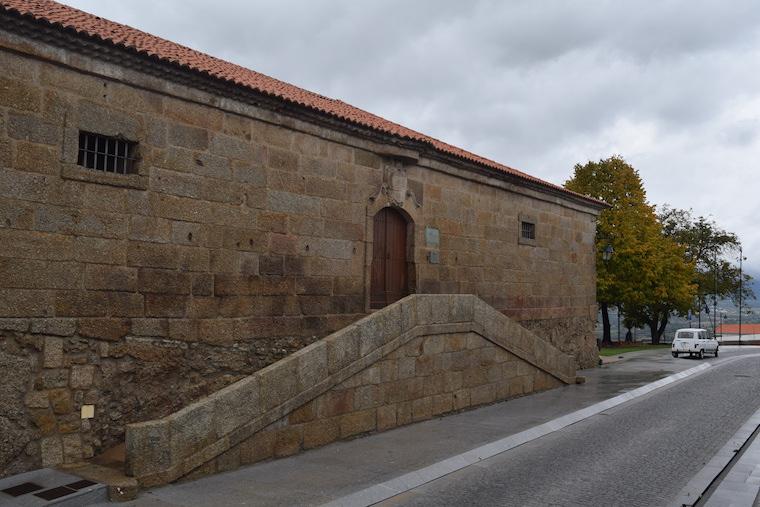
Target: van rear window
[[685, 335]]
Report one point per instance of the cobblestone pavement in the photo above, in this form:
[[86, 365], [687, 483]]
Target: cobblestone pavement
[[639, 454]]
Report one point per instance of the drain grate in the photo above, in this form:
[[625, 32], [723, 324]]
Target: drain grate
[[743, 376], [22, 489], [53, 493]]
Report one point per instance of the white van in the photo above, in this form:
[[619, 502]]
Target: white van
[[695, 342]]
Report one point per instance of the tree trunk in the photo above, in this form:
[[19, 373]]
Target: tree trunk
[[606, 334], [661, 329], [653, 330]]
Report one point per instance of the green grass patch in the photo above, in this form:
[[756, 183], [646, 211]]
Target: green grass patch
[[614, 351]]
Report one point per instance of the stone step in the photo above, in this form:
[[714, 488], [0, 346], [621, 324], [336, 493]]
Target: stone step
[[48, 486]]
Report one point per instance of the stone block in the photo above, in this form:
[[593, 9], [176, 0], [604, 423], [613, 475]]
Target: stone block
[[27, 127], [288, 441], [147, 448], [367, 396], [183, 329], [60, 401], [185, 136], [342, 348], [191, 430], [51, 451], [52, 378], [386, 417], [335, 402], [367, 158], [166, 305], [52, 356], [433, 345], [258, 448], [45, 420], [229, 460], [94, 117], [408, 313], [162, 281], [441, 403], [320, 432], [152, 255], [404, 413], [482, 394], [312, 365], [287, 202], [149, 327], [37, 399], [36, 158], [110, 329], [406, 367], [55, 327], [231, 147], [303, 414], [236, 404], [379, 328], [19, 95], [82, 376], [115, 278], [279, 382], [72, 447], [461, 399], [422, 408], [354, 423], [37, 274]]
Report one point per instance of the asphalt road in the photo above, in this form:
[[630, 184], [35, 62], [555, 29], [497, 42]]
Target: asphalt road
[[638, 454]]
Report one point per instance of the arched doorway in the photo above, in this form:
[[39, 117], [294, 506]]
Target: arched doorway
[[390, 278]]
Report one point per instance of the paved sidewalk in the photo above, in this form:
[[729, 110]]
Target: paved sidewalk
[[323, 475]]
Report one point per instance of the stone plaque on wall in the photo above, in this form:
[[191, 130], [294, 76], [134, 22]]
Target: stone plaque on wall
[[432, 236]]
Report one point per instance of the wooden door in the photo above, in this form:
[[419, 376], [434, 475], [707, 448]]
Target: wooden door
[[389, 275]]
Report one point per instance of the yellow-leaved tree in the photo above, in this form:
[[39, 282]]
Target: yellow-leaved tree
[[646, 276]]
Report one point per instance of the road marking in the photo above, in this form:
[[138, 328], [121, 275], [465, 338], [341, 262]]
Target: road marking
[[389, 489]]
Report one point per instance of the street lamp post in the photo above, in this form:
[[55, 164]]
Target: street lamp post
[[741, 279], [606, 256]]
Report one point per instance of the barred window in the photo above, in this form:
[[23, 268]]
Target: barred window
[[107, 154], [528, 230]]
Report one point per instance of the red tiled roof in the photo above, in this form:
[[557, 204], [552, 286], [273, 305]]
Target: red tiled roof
[[734, 329], [83, 23]]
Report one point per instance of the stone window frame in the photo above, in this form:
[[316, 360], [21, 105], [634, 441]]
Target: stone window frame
[[528, 219], [101, 120]]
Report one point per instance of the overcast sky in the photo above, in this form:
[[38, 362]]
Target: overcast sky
[[672, 86]]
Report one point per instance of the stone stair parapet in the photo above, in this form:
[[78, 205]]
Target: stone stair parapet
[[166, 449]]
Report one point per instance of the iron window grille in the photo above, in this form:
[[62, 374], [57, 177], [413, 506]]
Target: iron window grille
[[107, 154], [528, 230]]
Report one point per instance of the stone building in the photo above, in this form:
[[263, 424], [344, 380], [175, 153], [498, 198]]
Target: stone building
[[170, 223]]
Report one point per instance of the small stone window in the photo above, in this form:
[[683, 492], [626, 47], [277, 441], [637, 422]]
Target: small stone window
[[528, 230], [107, 154]]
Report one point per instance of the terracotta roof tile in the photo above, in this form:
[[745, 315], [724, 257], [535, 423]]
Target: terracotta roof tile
[[747, 328], [124, 36]]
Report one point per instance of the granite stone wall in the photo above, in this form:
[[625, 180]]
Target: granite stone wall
[[244, 235]]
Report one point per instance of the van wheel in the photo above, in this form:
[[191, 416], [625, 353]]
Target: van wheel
[[675, 354], [701, 354]]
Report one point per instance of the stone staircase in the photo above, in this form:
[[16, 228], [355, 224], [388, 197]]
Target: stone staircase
[[421, 357]]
